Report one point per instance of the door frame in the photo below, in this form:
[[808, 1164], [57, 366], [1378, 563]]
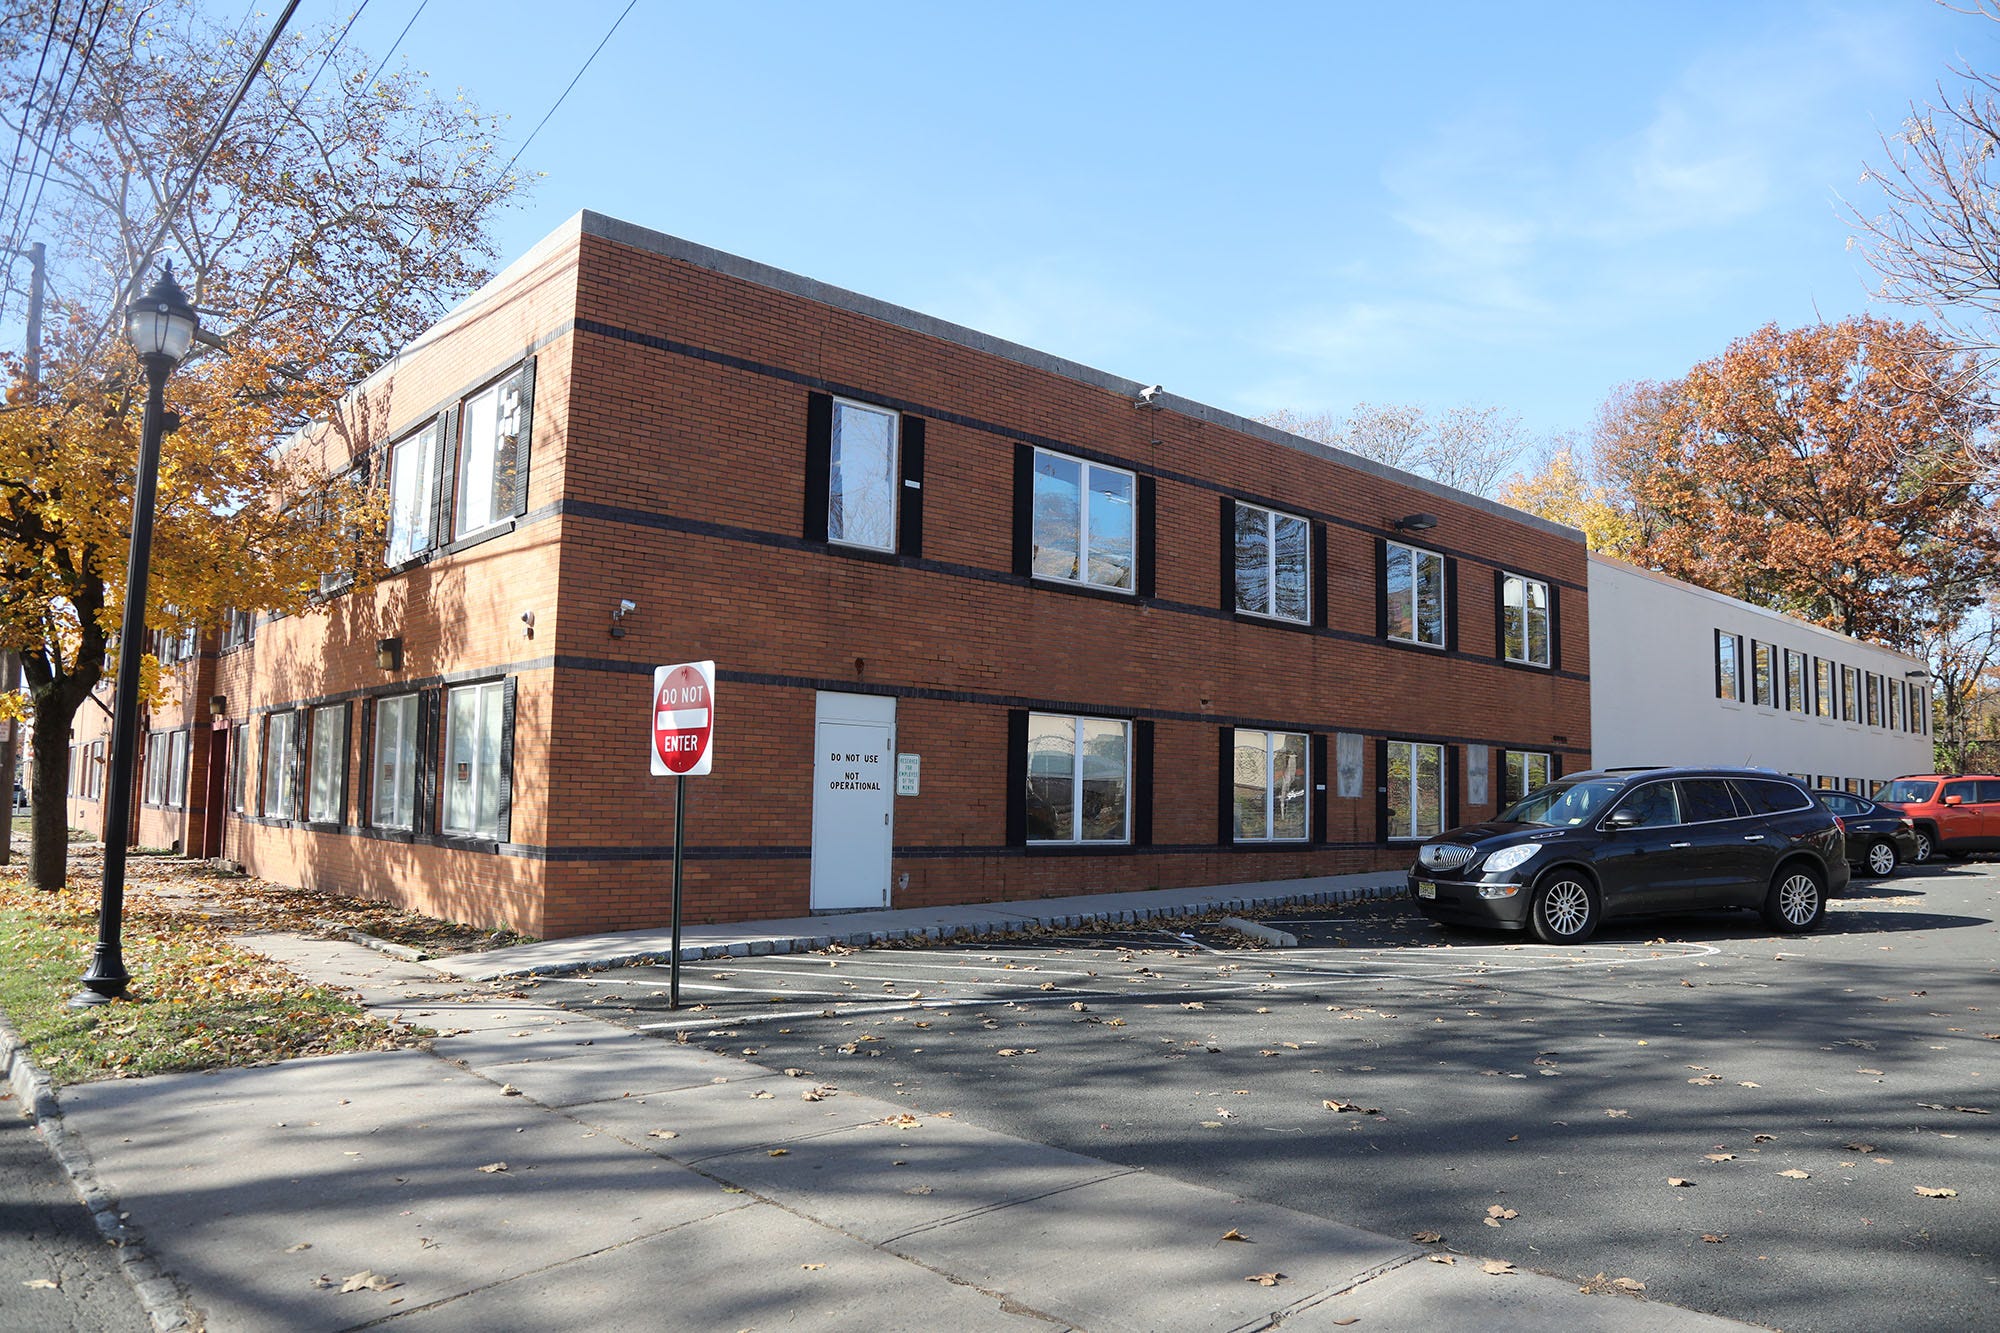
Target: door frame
[[863, 710]]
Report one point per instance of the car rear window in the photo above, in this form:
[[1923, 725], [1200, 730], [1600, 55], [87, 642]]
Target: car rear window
[[1989, 789], [1771, 798], [1704, 799], [1908, 791], [1842, 804]]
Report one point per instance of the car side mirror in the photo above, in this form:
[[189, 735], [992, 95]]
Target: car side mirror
[[1954, 800], [1626, 817]]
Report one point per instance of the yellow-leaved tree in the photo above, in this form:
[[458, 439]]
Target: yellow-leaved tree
[[338, 216]]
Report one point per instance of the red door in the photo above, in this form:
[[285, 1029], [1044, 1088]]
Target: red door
[[215, 793]]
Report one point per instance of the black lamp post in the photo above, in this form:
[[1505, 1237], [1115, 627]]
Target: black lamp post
[[161, 325]]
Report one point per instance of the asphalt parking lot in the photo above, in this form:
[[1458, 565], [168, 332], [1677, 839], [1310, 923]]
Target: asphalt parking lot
[[1803, 1092]]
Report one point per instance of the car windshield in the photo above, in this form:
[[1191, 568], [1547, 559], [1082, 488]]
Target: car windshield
[[1564, 804], [1914, 791]]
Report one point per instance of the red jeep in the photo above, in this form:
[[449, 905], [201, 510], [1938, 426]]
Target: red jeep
[[1954, 813]]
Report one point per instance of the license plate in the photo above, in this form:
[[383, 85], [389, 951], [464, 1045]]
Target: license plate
[[1426, 889]]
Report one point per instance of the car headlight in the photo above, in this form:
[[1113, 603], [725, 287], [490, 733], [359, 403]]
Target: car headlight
[[1509, 858]]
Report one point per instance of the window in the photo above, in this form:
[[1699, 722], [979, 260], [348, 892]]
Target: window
[[1706, 800], [1413, 591], [96, 778], [236, 769], [238, 628], [177, 769], [1850, 695], [1874, 693], [1895, 710], [1922, 722], [1654, 805], [861, 491], [326, 789], [1795, 682], [1273, 564], [1416, 789], [412, 482], [1762, 672], [1822, 687], [1270, 771], [1728, 666], [156, 768], [1524, 620], [1771, 798], [473, 736], [1078, 779], [394, 780], [280, 772], [1523, 771], [1083, 522], [492, 436]]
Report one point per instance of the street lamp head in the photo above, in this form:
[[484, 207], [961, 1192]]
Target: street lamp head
[[162, 323]]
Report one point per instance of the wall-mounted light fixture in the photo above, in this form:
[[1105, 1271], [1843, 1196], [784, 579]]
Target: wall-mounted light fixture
[[527, 624], [218, 705], [626, 606], [389, 654], [1917, 675], [1415, 523]]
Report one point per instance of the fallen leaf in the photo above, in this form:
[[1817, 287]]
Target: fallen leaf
[[779, 1152], [41, 1284], [1006, 1050], [1491, 1221], [1762, 1138], [1266, 1279], [492, 1167], [795, 1073], [1427, 1237], [1618, 1115], [1495, 1210], [1234, 1234], [1969, 1110], [1496, 1267], [1795, 1174], [1197, 1004], [1351, 1106], [1715, 1237], [812, 1268], [1719, 1156], [301, 1246], [1876, 1072], [1628, 1284], [1927, 1192], [1442, 1258], [918, 1189], [762, 1094], [366, 1280], [509, 1090], [1859, 1147], [663, 1134], [1746, 1083], [1678, 1183]]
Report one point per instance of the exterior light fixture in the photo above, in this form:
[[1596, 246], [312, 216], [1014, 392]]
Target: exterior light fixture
[[626, 606], [162, 326], [1916, 675], [389, 654], [218, 704], [1415, 523]]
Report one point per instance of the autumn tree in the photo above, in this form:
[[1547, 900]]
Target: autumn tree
[[1821, 471], [1965, 684], [1470, 448], [1566, 486], [337, 216]]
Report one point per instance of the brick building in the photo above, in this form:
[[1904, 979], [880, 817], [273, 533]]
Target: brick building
[[1124, 640]]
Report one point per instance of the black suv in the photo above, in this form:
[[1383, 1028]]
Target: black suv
[[1630, 842]]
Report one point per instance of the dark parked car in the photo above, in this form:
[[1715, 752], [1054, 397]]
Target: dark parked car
[[1878, 839], [1618, 843]]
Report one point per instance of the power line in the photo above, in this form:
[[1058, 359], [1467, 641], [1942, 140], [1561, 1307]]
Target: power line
[[28, 107], [42, 130], [393, 45], [62, 117], [565, 94]]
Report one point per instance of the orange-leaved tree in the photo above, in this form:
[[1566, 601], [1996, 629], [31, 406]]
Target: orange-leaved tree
[[337, 217], [1826, 471]]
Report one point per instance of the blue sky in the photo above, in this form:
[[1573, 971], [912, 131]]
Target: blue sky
[[1259, 206]]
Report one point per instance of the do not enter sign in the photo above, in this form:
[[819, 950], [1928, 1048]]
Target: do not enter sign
[[683, 719]]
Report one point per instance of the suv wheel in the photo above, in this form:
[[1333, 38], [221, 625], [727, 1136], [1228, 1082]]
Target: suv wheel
[[1924, 847], [1881, 857], [1565, 909], [1796, 903]]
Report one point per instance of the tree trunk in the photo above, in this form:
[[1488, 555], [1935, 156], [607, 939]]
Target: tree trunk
[[56, 702]]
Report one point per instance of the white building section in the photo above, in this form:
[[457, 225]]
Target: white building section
[[1683, 675]]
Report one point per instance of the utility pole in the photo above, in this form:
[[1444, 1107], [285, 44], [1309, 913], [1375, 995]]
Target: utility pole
[[10, 660]]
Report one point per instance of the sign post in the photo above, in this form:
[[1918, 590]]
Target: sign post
[[683, 729]]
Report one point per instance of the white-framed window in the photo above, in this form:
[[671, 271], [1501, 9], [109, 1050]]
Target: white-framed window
[[1728, 666], [862, 477], [472, 745], [236, 748], [1795, 681], [1823, 700], [326, 783], [393, 784], [177, 769], [1079, 779], [412, 479], [1850, 694], [1271, 786], [1273, 564], [489, 433], [1413, 590], [1522, 771], [156, 768], [1874, 692], [1415, 780], [1524, 620], [280, 773], [1084, 524], [1764, 674]]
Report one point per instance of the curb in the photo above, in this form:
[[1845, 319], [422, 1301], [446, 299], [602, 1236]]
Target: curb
[[1257, 930], [159, 1295], [861, 939]]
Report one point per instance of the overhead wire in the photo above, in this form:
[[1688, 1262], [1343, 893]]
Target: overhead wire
[[28, 107], [384, 63], [565, 93], [27, 225]]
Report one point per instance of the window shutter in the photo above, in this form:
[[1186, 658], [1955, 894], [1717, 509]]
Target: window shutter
[[1450, 605], [504, 829], [1142, 784], [301, 735], [1148, 547], [1555, 627], [444, 480], [1382, 790], [1500, 614], [424, 817], [346, 748], [1024, 514], [1451, 786], [1381, 588], [819, 463], [1017, 777], [523, 440], [1555, 765], [1319, 576], [910, 524], [1318, 778], [1228, 554], [364, 787], [1225, 787]]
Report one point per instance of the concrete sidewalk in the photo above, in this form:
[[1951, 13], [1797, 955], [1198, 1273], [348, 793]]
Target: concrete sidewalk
[[860, 929], [541, 1170]]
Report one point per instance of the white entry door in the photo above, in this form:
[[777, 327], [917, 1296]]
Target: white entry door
[[854, 794]]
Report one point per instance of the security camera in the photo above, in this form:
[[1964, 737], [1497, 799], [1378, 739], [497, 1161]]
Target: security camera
[[625, 608], [1149, 396]]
